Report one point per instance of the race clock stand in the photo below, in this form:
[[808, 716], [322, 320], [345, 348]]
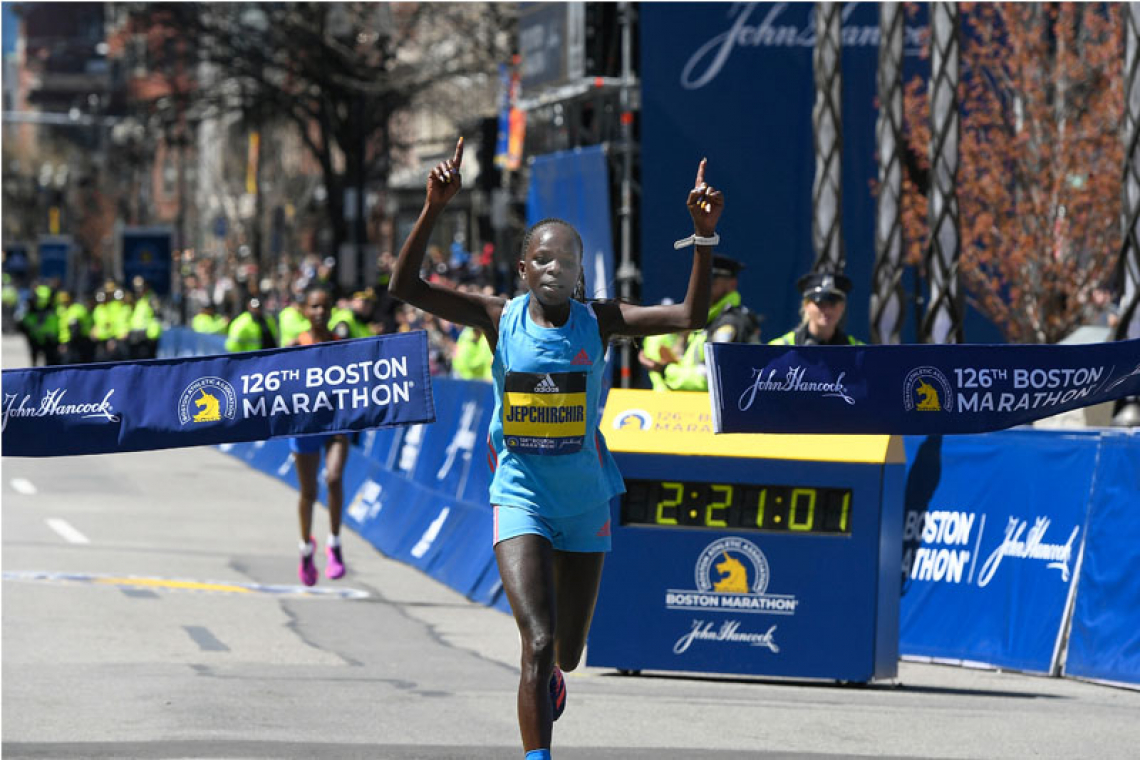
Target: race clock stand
[[770, 555]]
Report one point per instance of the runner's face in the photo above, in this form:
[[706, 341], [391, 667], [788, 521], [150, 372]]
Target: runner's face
[[552, 265], [317, 309]]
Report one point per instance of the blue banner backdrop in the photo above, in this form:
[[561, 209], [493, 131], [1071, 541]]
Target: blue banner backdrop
[[991, 537], [169, 403], [574, 186], [1104, 639], [733, 82], [925, 389]]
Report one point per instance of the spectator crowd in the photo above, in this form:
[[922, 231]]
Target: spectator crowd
[[228, 297]]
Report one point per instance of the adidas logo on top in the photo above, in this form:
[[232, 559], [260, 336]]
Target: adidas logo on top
[[546, 385]]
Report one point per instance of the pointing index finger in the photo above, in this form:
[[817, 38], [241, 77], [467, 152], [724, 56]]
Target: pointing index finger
[[701, 173], [457, 159]]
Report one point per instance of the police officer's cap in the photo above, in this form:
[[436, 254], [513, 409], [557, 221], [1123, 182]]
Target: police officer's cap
[[818, 286], [725, 266]]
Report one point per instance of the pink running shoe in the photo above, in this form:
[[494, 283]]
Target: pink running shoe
[[335, 567], [557, 693], [308, 567]]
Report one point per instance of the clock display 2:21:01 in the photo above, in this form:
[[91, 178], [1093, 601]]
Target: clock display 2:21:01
[[737, 506]]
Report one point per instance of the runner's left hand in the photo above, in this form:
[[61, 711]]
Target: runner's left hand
[[705, 203]]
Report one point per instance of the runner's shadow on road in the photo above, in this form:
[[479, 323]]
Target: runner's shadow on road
[[883, 687]]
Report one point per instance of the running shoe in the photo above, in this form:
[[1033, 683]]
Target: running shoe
[[308, 567], [557, 693], [334, 568]]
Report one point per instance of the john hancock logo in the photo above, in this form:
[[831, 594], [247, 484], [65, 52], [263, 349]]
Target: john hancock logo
[[207, 399], [926, 389]]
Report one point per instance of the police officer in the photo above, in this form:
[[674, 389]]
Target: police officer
[[473, 357], [41, 326], [729, 321], [75, 346], [821, 312], [208, 321], [660, 350], [111, 318], [349, 321], [145, 326], [292, 320], [253, 329]]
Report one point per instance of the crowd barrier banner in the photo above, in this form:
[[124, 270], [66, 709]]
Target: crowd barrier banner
[[450, 458], [177, 342], [911, 389], [446, 538], [1104, 637], [168, 403], [992, 532]]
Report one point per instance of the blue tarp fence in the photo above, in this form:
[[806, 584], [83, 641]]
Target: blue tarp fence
[[1021, 548], [1017, 542]]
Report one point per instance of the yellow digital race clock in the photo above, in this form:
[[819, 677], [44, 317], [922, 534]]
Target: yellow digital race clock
[[737, 506], [754, 554]]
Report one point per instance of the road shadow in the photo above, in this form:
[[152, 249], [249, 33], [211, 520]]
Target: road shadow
[[885, 687]]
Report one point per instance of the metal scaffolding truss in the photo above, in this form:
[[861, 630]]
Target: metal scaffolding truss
[[887, 296], [827, 123], [1129, 326], [943, 320]]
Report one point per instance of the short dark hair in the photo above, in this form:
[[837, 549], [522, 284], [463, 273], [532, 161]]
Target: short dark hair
[[317, 286], [579, 293], [550, 220]]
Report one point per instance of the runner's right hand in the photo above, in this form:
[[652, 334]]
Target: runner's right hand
[[444, 180]]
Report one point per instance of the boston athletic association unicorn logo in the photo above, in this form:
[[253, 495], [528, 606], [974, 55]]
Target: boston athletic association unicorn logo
[[926, 389], [929, 402], [210, 406], [206, 400], [734, 576]]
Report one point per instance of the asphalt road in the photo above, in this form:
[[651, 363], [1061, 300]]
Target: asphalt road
[[150, 610]]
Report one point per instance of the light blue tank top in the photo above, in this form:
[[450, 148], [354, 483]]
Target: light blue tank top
[[547, 451]]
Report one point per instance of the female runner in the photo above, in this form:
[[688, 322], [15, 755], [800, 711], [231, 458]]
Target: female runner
[[307, 459], [553, 476]]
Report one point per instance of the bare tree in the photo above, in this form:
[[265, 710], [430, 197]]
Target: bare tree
[[1040, 168], [343, 73]]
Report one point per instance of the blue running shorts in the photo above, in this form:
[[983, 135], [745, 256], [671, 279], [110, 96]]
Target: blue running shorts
[[585, 532], [309, 444]]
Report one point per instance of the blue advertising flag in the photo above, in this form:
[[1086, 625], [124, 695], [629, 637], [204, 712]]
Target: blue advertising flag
[[574, 186], [147, 254], [334, 387], [501, 145], [924, 389], [56, 258]]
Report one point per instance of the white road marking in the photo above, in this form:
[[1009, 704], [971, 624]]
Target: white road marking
[[64, 529], [24, 486]]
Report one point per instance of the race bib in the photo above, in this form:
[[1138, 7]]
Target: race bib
[[544, 413]]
